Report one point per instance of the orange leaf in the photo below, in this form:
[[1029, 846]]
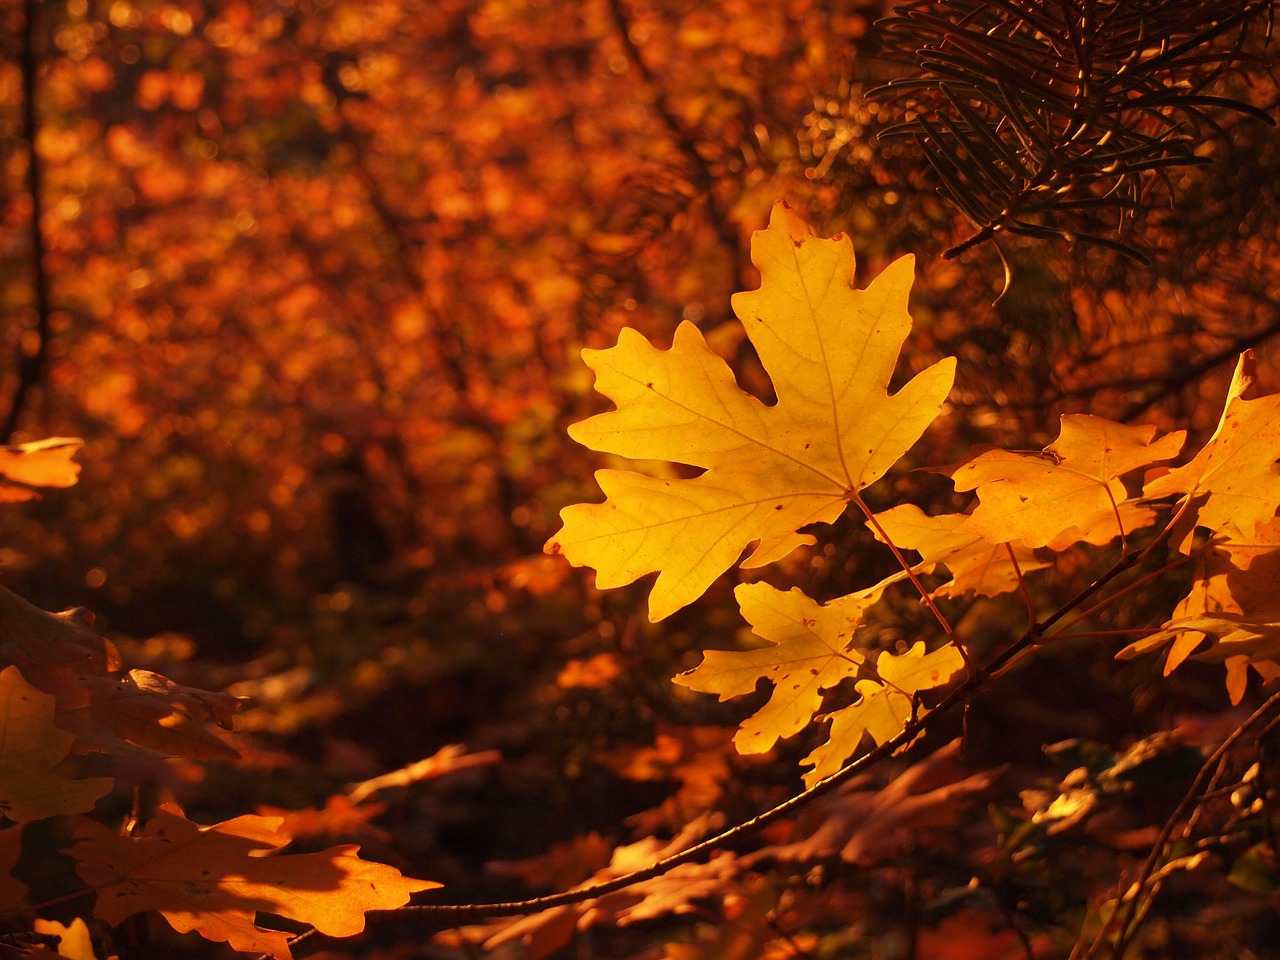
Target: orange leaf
[[1235, 471], [30, 747], [830, 350], [140, 714], [42, 463], [1034, 497], [977, 566], [214, 880]]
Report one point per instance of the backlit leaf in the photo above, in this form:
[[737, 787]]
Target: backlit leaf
[[1236, 470], [885, 705], [215, 879], [1076, 482], [977, 566], [808, 653], [42, 463], [830, 350]]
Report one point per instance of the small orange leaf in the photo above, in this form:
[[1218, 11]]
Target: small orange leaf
[[42, 463], [30, 747], [215, 879]]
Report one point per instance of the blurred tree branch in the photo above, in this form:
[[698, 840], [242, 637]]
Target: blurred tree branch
[[33, 347]]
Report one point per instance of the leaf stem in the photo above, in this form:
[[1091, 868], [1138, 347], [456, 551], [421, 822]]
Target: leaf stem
[[1107, 601], [1022, 587], [915, 581]]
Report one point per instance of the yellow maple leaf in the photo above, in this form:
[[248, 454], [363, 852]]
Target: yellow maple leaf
[[1235, 472], [30, 747], [769, 471], [215, 879], [1235, 578], [885, 705], [808, 652], [977, 566], [1075, 483]]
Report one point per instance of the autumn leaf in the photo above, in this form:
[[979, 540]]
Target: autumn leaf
[[1075, 483], [145, 715], [30, 747], [215, 879], [977, 566], [885, 705], [674, 892], [1235, 472], [42, 463], [74, 940], [1234, 578], [138, 714], [808, 653], [447, 759], [865, 826], [769, 471]]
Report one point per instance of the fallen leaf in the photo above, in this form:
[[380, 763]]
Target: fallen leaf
[[30, 747]]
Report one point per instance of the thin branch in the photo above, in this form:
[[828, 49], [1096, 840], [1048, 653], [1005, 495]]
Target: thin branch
[[925, 596], [1126, 912], [447, 916]]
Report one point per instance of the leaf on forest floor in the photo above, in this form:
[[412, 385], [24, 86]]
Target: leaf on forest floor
[[41, 463], [1233, 481], [138, 714], [677, 891], [1034, 498], [864, 825], [30, 748], [214, 880], [830, 350]]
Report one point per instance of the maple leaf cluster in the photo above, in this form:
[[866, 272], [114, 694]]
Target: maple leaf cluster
[[770, 472]]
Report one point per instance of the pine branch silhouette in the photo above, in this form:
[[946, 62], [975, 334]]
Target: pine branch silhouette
[[1059, 119]]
